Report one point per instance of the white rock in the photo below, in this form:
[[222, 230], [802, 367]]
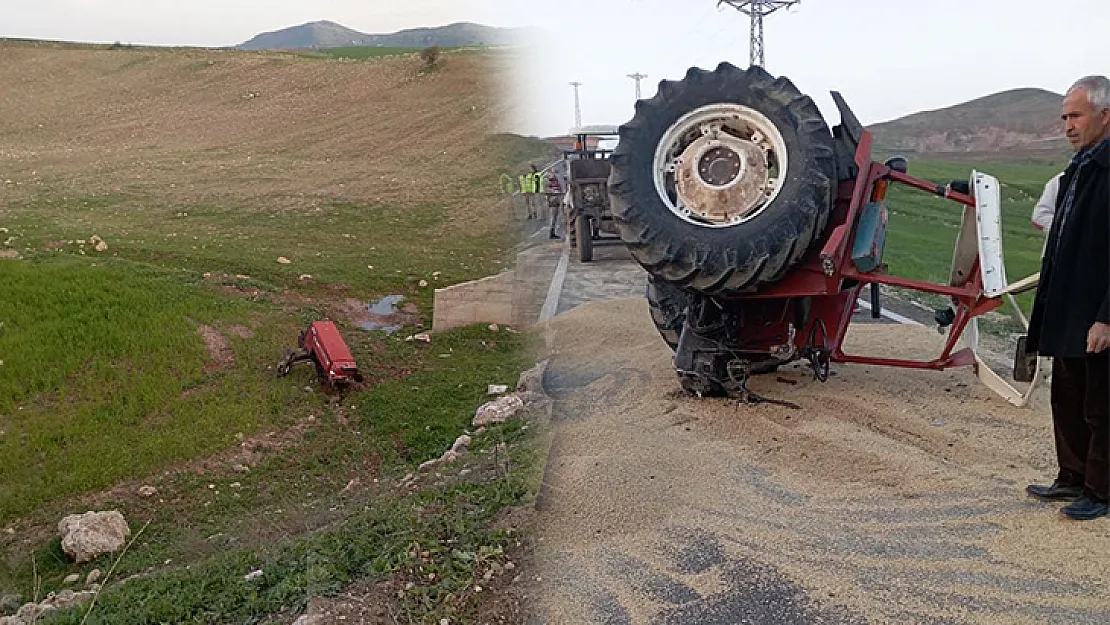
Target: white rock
[[461, 444], [253, 575], [531, 381], [423, 337], [283, 260], [72, 578], [423, 283], [147, 491], [306, 276], [93, 577], [101, 246], [497, 389], [240, 468], [493, 327], [499, 410], [86, 536]]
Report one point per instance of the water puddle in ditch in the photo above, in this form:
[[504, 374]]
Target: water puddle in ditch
[[384, 314]]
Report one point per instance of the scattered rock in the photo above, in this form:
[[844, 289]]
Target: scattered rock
[[93, 577], [86, 536], [253, 575], [240, 468], [531, 381], [499, 410], [147, 491], [461, 444], [283, 260], [497, 389], [30, 613], [72, 578], [447, 457]]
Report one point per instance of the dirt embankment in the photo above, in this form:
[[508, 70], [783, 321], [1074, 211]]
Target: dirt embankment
[[892, 496], [249, 129]]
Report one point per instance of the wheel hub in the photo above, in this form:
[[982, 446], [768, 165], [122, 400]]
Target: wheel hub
[[721, 179], [720, 165]]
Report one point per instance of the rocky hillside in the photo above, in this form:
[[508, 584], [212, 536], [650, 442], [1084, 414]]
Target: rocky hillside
[[326, 34], [1020, 120]]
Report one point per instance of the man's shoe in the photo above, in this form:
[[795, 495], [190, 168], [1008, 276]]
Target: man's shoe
[[1086, 508], [1055, 492]]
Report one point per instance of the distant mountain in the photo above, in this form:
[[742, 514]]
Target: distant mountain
[[326, 34], [1019, 120]]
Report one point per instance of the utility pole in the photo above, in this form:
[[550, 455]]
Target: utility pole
[[577, 105], [757, 10], [637, 77]]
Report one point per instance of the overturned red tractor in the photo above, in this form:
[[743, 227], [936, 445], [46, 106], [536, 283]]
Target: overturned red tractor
[[760, 227]]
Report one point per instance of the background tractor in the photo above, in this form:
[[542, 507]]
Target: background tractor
[[587, 207], [760, 227]]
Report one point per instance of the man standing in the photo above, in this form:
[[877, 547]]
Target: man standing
[[1071, 313], [1045, 209]]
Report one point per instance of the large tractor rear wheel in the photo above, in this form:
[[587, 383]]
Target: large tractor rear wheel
[[723, 180]]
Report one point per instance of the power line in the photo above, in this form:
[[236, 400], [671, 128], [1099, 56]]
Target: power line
[[577, 105], [637, 77], [757, 10]]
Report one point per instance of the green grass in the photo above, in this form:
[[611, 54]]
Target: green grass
[[450, 526], [373, 249], [923, 228], [366, 52], [408, 416], [97, 362]]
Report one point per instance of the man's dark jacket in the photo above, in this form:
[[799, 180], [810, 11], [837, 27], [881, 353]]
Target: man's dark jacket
[[1075, 279]]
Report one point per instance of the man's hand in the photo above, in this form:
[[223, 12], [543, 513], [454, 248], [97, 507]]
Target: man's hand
[[1098, 338]]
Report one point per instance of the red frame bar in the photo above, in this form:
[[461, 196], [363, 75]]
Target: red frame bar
[[836, 264]]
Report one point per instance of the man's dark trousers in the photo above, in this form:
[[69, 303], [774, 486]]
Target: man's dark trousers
[[1081, 420]]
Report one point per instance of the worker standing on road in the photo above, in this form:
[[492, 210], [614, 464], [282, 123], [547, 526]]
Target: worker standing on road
[[1071, 312], [533, 188]]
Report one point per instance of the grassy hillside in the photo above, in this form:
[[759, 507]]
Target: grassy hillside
[[151, 361], [1016, 123]]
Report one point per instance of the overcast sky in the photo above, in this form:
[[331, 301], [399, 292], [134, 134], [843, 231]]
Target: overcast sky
[[222, 22], [888, 58]]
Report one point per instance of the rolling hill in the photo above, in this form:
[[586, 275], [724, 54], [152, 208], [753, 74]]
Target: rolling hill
[[1020, 121], [325, 34]]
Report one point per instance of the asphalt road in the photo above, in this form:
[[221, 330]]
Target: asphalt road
[[892, 497]]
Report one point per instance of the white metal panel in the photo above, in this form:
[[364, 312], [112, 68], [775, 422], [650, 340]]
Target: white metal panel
[[988, 209]]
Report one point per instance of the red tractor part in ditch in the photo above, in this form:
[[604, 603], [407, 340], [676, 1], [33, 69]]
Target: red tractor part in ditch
[[322, 344]]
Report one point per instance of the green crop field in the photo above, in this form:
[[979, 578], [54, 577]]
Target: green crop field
[[922, 228]]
